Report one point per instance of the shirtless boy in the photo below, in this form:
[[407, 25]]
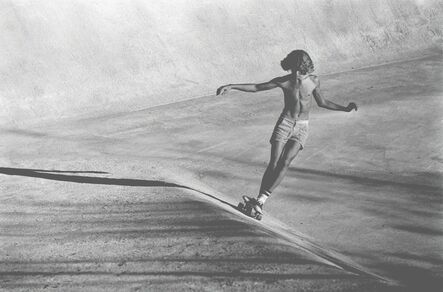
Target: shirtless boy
[[292, 127]]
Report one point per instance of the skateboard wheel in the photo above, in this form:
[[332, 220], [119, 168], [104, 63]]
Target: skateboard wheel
[[258, 217], [250, 211], [241, 206]]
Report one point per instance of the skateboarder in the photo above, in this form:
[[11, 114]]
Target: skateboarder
[[290, 132]]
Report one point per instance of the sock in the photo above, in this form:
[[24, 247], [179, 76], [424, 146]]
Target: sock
[[263, 196]]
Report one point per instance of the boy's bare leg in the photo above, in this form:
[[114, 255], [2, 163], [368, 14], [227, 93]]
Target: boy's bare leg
[[275, 177], [276, 152], [277, 149]]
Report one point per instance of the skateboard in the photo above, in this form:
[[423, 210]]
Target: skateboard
[[247, 208]]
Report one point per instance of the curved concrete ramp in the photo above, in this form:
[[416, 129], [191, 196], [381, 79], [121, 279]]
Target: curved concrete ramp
[[67, 58], [277, 229]]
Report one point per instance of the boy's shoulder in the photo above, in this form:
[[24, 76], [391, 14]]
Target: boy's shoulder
[[286, 79], [313, 76], [314, 79], [281, 79]]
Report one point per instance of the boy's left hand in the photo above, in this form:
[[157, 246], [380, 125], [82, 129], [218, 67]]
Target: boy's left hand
[[351, 106]]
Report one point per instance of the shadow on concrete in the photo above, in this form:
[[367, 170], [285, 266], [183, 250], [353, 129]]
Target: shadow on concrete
[[235, 274], [49, 174], [414, 278], [433, 191], [150, 239], [305, 173], [67, 171], [420, 230]]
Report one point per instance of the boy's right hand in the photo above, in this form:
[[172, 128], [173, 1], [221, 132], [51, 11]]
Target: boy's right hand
[[351, 106], [223, 89]]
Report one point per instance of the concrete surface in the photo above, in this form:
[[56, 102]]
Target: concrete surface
[[367, 188], [101, 190], [66, 58], [150, 238]]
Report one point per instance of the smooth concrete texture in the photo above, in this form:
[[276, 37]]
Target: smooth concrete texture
[[367, 188], [64, 58]]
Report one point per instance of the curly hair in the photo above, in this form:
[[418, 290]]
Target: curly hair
[[298, 60]]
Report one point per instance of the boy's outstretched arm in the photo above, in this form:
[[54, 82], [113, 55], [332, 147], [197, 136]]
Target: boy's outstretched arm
[[249, 87], [327, 104]]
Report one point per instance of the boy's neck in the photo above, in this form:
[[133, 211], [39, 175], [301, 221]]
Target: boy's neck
[[297, 74]]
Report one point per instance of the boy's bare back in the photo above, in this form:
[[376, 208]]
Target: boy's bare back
[[298, 88], [298, 91]]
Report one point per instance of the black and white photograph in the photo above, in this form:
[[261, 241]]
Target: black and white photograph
[[221, 145]]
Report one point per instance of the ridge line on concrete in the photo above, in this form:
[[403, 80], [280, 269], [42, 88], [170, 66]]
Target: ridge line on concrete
[[326, 74], [294, 238]]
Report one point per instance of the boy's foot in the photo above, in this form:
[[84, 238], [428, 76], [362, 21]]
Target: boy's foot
[[251, 207], [254, 203], [258, 207]]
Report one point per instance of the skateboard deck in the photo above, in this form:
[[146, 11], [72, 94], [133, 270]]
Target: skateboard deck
[[247, 208]]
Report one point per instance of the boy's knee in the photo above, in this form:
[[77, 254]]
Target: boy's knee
[[285, 163], [273, 165]]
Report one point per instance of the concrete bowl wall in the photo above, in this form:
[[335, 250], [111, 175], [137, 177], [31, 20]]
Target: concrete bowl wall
[[66, 58]]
